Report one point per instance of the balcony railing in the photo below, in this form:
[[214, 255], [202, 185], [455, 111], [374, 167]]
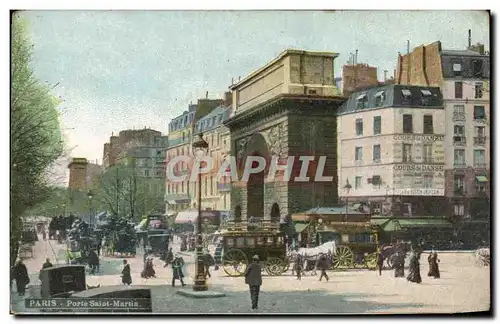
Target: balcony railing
[[480, 119], [480, 165], [458, 116], [224, 187], [459, 140], [480, 140], [459, 191]]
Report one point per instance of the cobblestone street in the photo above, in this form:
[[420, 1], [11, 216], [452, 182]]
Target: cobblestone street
[[463, 287]]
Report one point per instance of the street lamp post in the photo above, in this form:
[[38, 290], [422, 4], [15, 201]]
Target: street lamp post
[[89, 195], [347, 188], [199, 145]]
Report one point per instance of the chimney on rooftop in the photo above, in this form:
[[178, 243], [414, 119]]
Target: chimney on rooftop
[[206, 95], [228, 98], [470, 38]]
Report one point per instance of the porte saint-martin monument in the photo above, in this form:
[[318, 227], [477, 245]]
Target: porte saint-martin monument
[[287, 108]]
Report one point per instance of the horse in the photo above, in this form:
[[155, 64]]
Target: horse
[[310, 256]]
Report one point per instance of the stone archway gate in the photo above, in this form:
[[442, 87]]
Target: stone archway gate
[[292, 125]]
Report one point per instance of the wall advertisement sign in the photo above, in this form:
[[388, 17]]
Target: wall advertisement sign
[[419, 192]]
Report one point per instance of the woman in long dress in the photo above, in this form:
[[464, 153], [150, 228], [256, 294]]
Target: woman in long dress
[[433, 265], [126, 276], [399, 265], [414, 270]]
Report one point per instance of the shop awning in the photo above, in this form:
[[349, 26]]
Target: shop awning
[[379, 221], [395, 225], [186, 217], [481, 179], [300, 227]]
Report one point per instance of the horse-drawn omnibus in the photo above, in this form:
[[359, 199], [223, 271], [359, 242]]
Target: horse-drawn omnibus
[[355, 238], [239, 245]]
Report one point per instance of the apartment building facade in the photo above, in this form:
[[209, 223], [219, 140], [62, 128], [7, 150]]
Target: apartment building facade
[[463, 76], [391, 150], [215, 191], [83, 174], [178, 194]]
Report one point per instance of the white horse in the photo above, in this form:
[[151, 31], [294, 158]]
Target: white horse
[[313, 254]]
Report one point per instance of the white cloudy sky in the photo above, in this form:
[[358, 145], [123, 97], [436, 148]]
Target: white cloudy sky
[[125, 69]]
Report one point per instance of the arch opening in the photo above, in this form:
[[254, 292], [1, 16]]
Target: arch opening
[[237, 214], [275, 213]]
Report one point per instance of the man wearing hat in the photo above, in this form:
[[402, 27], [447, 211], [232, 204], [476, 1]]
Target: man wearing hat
[[253, 278]]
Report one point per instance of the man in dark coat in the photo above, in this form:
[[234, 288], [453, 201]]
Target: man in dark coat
[[20, 275], [299, 263], [433, 265], [47, 264], [253, 278], [126, 277], [177, 274], [93, 262], [380, 262], [208, 261], [399, 265], [323, 266], [414, 269]]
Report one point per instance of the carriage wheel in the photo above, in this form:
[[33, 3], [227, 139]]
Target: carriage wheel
[[344, 257], [370, 261], [274, 266], [234, 263]]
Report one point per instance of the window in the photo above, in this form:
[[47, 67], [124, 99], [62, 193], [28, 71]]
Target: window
[[359, 127], [480, 186], [459, 130], [479, 113], [211, 186], [379, 98], [477, 68], [459, 87], [376, 181], [458, 210], [376, 153], [428, 126], [459, 158], [427, 183], [427, 153], [406, 152], [358, 155], [361, 101], [458, 182], [478, 90], [146, 173], [457, 67], [479, 131], [479, 159], [377, 125], [458, 112], [407, 124], [406, 93], [357, 183], [182, 187], [206, 186]]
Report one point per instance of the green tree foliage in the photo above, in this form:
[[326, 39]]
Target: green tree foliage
[[125, 193], [35, 138]]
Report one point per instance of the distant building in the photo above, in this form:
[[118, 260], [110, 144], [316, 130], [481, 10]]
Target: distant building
[[83, 175], [358, 76], [391, 149], [463, 76]]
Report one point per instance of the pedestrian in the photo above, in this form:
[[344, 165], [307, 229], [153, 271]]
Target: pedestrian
[[414, 269], [169, 257], [44, 234], [177, 273], [47, 264], [93, 262], [299, 263], [380, 262], [99, 247], [433, 265], [126, 277], [253, 278], [20, 274], [399, 265], [322, 266]]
